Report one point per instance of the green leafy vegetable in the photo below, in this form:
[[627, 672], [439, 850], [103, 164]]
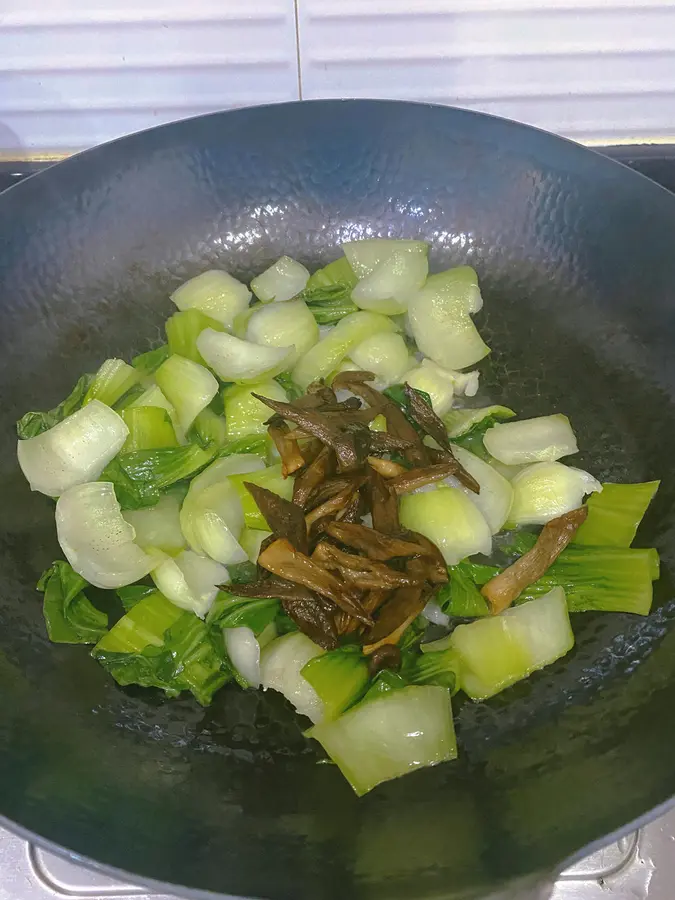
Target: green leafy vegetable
[[184, 327], [461, 421], [339, 677], [156, 644], [287, 383], [328, 292], [251, 443], [140, 477], [460, 596], [133, 593], [209, 428], [612, 579], [69, 615], [230, 611], [438, 667], [112, 381], [243, 572], [614, 514], [384, 681], [148, 363], [34, 423], [150, 428], [472, 440]]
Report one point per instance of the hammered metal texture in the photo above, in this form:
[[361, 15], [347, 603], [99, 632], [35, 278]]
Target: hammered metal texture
[[577, 259]]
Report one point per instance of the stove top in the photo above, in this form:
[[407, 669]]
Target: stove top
[[640, 866]]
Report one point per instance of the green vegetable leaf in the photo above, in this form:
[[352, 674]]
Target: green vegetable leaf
[[133, 593], [209, 428], [114, 379], [69, 615], [612, 579], [437, 667], [339, 677], [250, 443], [289, 385], [243, 572], [34, 423], [328, 292], [149, 362], [156, 644], [230, 611], [384, 682], [460, 596], [615, 513], [472, 440], [140, 477]]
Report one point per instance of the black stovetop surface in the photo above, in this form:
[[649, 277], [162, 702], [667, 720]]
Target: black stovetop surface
[[656, 161]]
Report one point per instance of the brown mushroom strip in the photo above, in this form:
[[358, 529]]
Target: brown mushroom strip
[[287, 445], [332, 486], [372, 601], [284, 518], [417, 478], [316, 472], [350, 439], [503, 589], [436, 572], [354, 510], [386, 467], [446, 457], [331, 507], [282, 559], [395, 616], [397, 424], [371, 542], [364, 573], [383, 442], [387, 656], [313, 619], [426, 418], [383, 505]]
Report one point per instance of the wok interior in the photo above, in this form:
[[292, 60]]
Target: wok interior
[[576, 261]]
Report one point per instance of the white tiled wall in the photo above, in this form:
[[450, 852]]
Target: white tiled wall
[[76, 72]]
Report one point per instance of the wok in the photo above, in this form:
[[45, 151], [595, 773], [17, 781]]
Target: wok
[[576, 256]]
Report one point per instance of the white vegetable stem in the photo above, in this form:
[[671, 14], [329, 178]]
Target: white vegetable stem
[[441, 325], [385, 355], [280, 665], [215, 293], [496, 493], [73, 452], [543, 491], [97, 541], [280, 282], [190, 581], [159, 525], [544, 439], [289, 325], [243, 650], [188, 386], [326, 356], [450, 520], [212, 517], [233, 359], [497, 651], [389, 286]]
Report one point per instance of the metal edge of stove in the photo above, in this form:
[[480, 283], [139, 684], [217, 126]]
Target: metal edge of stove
[[636, 867]]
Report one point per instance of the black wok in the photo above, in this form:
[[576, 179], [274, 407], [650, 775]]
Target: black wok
[[577, 260]]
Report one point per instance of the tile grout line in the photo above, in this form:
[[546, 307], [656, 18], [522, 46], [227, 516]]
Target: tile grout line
[[296, 14]]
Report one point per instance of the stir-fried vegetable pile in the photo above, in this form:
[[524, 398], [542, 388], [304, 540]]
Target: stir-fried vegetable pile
[[289, 491]]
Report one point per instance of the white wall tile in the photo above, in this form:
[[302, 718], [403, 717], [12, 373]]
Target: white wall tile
[[79, 72], [590, 69]]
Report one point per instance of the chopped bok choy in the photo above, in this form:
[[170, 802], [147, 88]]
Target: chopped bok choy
[[282, 281], [496, 652], [295, 494], [390, 735]]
